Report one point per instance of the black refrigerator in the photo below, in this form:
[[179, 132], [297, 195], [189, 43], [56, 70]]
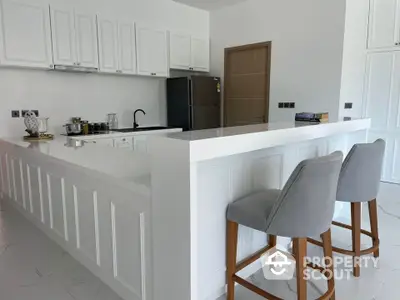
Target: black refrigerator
[[194, 102]]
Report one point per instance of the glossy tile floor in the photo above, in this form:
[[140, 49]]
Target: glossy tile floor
[[32, 267], [381, 283]]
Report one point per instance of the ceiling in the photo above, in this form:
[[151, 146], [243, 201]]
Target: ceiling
[[209, 4]]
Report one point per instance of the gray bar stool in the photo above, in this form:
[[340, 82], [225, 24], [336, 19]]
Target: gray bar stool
[[303, 208], [359, 182]]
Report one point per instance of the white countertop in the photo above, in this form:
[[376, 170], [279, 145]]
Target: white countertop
[[219, 142], [115, 134], [122, 164]]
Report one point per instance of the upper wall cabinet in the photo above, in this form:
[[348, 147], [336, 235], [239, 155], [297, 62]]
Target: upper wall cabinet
[[25, 34], [74, 37], [200, 54], [152, 52], [117, 46], [384, 24], [189, 53]]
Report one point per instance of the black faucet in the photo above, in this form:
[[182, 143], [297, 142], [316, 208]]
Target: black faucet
[[136, 125]]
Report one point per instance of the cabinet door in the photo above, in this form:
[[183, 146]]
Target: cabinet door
[[383, 24], [152, 52], [179, 50], [108, 45], [200, 54], [86, 39], [127, 47], [63, 34], [103, 142], [140, 143], [25, 34]]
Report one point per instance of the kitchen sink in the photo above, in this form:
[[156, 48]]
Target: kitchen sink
[[140, 129]]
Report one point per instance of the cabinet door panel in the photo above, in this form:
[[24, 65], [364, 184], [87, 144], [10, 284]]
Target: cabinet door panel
[[200, 54], [152, 52], [63, 34], [378, 95], [127, 47], [108, 45], [86, 39], [383, 28], [180, 52], [25, 34]]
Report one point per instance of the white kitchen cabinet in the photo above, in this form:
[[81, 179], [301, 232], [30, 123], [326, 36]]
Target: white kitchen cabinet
[[200, 49], [117, 46], [384, 24], [189, 53], [103, 142], [74, 37], [152, 52], [25, 36], [123, 142], [86, 39], [382, 105], [108, 45], [140, 143], [127, 47], [180, 51]]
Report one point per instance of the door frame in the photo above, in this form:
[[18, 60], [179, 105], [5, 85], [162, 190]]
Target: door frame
[[268, 45]]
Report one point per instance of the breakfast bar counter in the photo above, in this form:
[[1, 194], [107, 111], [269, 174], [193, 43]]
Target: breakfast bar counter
[[195, 175]]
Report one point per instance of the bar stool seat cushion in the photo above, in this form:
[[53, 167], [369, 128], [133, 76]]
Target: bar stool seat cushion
[[253, 210]]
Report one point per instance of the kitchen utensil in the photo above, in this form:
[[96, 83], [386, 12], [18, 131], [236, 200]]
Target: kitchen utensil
[[72, 129], [75, 120], [112, 120], [31, 123], [43, 125], [97, 127]]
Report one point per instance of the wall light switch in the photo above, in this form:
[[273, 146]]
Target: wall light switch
[[292, 105], [15, 114], [280, 104], [286, 105]]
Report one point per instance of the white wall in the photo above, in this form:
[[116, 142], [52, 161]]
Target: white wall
[[354, 57], [62, 95], [307, 43]]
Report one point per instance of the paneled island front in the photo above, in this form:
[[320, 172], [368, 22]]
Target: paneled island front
[[152, 225]]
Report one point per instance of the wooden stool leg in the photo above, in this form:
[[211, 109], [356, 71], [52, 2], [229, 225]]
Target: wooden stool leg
[[300, 251], [231, 252], [328, 255], [373, 218], [356, 233], [272, 240]]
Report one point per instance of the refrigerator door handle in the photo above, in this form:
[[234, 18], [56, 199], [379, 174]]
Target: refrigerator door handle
[[191, 117]]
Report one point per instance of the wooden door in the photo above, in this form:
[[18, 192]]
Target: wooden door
[[383, 24], [247, 80]]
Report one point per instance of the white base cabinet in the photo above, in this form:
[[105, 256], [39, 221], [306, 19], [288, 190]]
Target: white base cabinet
[[25, 36]]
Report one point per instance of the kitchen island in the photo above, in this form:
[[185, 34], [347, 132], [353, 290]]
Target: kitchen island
[[195, 175], [152, 225]]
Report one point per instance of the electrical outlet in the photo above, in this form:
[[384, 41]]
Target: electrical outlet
[[348, 105], [24, 111], [280, 104], [292, 105], [15, 114]]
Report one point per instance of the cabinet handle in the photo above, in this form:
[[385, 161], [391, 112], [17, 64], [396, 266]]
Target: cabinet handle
[[51, 66], [78, 63]]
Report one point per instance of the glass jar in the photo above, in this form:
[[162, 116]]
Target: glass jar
[[112, 121]]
